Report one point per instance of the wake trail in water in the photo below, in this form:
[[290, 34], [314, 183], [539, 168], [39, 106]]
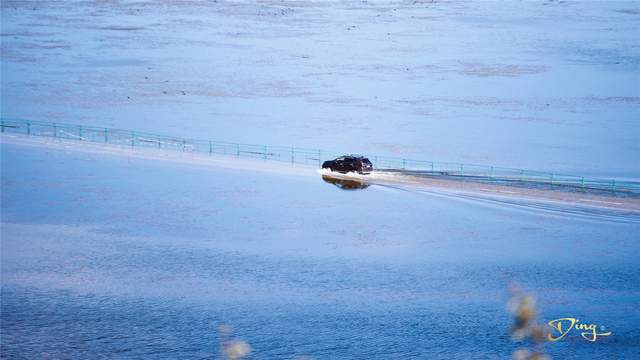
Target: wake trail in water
[[588, 205]]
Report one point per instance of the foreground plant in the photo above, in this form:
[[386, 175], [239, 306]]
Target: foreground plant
[[526, 327], [232, 349]]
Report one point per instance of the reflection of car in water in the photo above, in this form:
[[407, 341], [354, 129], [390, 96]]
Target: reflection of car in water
[[345, 164], [345, 184]]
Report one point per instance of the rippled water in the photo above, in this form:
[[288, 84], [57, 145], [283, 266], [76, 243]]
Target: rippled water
[[108, 257]]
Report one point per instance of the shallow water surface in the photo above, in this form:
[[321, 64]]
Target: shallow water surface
[[106, 256]]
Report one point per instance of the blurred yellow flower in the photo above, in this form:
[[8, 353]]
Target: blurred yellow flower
[[236, 349]]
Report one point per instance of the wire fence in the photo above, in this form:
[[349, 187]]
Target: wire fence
[[296, 155]]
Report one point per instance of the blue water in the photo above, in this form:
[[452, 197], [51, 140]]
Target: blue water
[[115, 257]]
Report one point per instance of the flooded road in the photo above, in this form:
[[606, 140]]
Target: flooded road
[[564, 198]]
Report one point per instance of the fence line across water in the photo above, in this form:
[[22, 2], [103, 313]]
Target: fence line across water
[[296, 155]]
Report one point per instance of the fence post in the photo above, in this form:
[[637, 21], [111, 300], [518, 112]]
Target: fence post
[[106, 136], [210, 147], [133, 139], [80, 133], [461, 170], [55, 130], [404, 164], [28, 127], [432, 168], [293, 155], [613, 185], [184, 145], [2, 125], [238, 150], [582, 182], [264, 152], [551, 179]]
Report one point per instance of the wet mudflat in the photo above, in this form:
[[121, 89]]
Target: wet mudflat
[[527, 86]]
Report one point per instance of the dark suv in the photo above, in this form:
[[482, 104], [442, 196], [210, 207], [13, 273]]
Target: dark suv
[[345, 164]]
